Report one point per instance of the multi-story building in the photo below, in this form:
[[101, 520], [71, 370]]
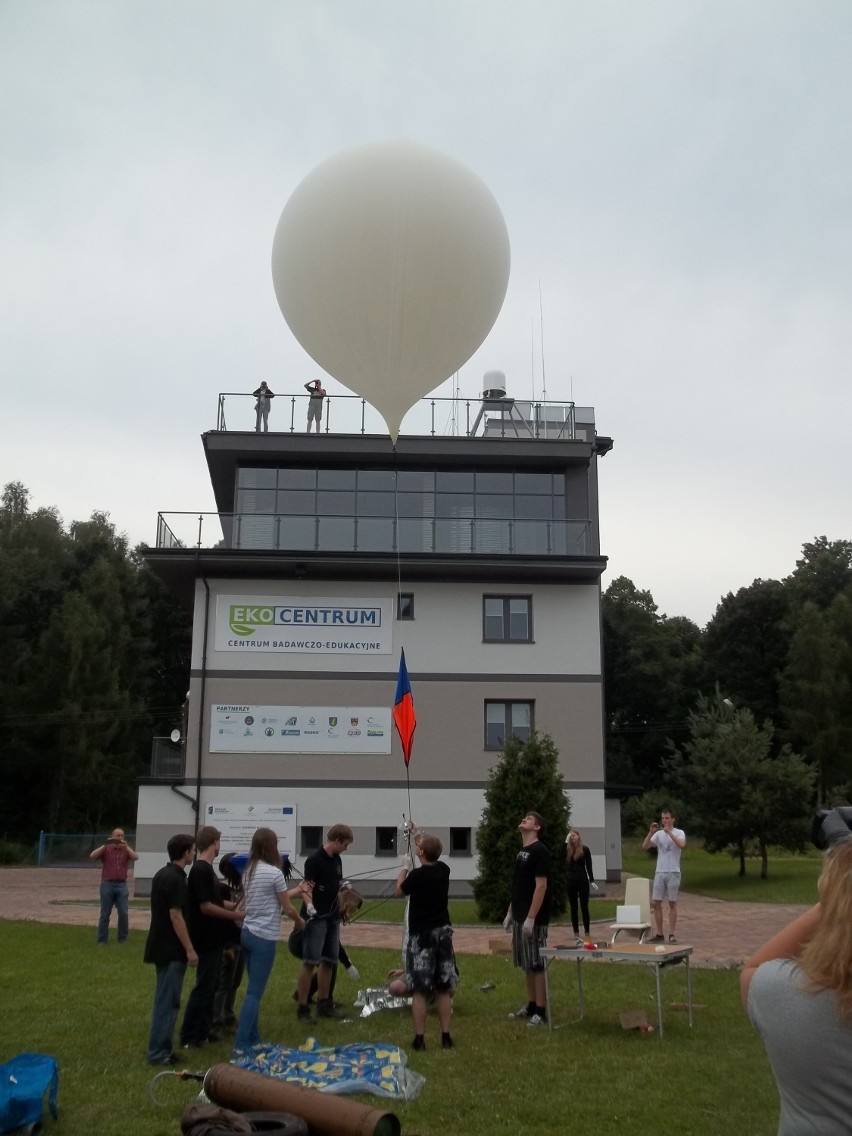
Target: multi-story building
[[478, 552]]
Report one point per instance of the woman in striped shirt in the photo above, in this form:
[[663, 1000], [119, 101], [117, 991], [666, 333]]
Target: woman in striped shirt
[[265, 900]]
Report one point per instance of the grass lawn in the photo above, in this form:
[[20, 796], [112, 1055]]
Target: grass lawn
[[89, 1006], [792, 879], [463, 912]]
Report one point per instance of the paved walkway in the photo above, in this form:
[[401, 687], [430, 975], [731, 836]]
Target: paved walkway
[[722, 934]]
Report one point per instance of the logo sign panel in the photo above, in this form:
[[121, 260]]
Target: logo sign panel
[[300, 625], [299, 729], [239, 822]]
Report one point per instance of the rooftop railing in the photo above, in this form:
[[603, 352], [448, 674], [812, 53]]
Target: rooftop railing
[[286, 532], [501, 417]]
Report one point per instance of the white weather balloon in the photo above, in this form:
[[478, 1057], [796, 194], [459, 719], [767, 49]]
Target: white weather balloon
[[390, 264]]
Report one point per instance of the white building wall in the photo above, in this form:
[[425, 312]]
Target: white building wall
[[453, 673], [448, 617]]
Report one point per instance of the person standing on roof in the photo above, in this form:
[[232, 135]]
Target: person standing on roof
[[263, 395], [317, 392]]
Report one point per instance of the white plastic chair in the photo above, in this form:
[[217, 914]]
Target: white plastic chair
[[637, 894]]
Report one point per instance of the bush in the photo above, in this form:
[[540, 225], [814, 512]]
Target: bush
[[14, 853]]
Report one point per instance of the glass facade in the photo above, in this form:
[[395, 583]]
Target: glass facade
[[416, 511]]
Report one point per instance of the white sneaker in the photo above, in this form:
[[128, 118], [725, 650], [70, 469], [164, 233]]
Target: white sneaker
[[536, 1020], [522, 1013]]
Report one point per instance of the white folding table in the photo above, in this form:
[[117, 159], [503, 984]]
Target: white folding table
[[639, 954]]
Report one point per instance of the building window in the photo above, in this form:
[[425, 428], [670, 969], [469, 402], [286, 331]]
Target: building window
[[311, 839], [405, 605], [507, 720], [460, 842], [385, 841], [507, 619]]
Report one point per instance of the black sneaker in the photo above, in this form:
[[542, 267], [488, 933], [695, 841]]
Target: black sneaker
[[672, 939], [303, 1014], [657, 939], [419, 1042], [446, 1041], [326, 1009]]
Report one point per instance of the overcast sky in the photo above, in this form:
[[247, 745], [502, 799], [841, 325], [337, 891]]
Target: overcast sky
[[674, 175]]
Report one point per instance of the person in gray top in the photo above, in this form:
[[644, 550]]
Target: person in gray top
[[797, 992]]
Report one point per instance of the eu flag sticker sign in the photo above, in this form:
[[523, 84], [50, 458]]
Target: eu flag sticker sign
[[304, 625]]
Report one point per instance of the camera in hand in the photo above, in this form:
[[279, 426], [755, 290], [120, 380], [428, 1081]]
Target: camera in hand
[[831, 826]]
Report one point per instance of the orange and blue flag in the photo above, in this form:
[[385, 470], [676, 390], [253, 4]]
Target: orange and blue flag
[[404, 717]]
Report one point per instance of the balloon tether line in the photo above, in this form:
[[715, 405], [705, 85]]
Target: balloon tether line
[[398, 601]]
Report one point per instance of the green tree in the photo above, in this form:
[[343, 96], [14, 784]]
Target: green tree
[[651, 668], [746, 644], [737, 792], [170, 635], [526, 779], [823, 571], [816, 689], [83, 678]]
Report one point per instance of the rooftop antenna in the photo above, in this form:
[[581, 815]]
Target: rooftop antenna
[[541, 324], [454, 405], [532, 358]]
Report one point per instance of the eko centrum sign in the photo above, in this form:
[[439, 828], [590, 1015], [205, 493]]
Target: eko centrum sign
[[304, 625]]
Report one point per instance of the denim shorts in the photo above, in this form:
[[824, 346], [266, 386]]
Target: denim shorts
[[321, 940]]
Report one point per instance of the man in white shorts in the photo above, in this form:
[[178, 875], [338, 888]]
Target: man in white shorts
[[669, 842]]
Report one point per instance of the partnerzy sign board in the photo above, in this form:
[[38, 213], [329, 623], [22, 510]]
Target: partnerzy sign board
[[304, 625], [239, 822], [299, 729]]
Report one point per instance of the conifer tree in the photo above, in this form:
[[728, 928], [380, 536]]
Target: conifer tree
[[526, 779]]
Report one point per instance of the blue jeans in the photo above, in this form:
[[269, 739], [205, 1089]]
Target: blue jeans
[[164, 1014], [113, 894], [260, 955]]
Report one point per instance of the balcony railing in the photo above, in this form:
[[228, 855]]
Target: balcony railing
[[493, 417], [284, 532]]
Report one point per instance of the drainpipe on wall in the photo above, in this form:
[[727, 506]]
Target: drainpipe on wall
[[201, 700]]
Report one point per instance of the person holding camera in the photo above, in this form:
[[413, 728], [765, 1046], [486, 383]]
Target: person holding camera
[[581, 879], [317, 392], [669, 842], [797, 992], [115, 855], [264, 398]]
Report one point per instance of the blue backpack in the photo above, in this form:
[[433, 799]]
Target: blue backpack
[[23, 1082]]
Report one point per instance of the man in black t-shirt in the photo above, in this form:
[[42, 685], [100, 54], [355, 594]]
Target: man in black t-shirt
[[321, 936], [430, 962], [529, 915], [169, 947], [208, 917]]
